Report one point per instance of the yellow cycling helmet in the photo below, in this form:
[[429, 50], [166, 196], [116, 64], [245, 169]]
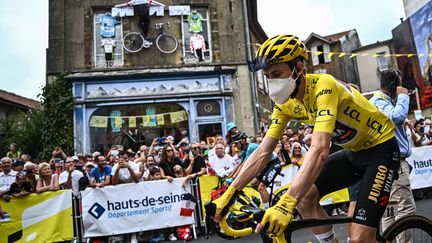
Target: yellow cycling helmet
[[278, 49]]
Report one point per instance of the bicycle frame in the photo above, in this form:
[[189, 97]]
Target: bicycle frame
[[255, 215]]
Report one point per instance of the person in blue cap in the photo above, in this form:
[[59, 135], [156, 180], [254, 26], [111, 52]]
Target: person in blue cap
[[231, 129]]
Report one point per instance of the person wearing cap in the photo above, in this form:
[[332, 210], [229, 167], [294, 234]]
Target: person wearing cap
[[195, 164], [18, 165], [339, 113], [231, 129], [21, 187]]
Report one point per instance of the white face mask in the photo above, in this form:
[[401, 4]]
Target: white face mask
[[280, 89]]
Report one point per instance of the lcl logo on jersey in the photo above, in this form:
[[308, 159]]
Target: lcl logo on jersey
[[352, 113], [275, 121], [375, 125], [324, 113]]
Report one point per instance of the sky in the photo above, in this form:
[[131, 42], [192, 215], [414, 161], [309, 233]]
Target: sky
[[25, 28]]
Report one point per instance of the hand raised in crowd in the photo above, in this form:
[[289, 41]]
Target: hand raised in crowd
[[401, 90], [191, 158]]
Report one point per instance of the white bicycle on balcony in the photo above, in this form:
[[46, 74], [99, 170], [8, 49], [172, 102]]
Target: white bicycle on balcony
[[166, 43]]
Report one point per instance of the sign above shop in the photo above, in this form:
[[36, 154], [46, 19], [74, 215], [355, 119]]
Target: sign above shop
[[122, 89]]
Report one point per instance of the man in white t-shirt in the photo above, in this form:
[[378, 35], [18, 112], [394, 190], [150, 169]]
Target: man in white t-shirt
[[7, 177], [124, 171], [218, 140], [69, 178], [221, 163]]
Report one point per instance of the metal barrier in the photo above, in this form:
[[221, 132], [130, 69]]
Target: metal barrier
[[79, 224]]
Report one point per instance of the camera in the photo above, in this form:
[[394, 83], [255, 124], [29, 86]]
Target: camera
[[115, 153], [161, 140]]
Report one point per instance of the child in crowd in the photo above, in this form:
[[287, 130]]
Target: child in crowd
[[21, 187]]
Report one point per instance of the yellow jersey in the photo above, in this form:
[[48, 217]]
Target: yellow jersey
[[334, 107]]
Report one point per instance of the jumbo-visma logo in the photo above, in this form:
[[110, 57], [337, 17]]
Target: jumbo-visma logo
[[96, 210]]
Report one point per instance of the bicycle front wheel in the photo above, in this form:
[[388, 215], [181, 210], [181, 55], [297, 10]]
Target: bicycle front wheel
[[166, 43], [133, 42], [411, 228]]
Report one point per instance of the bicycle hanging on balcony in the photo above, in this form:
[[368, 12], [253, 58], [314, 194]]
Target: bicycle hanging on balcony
[[166, 43]]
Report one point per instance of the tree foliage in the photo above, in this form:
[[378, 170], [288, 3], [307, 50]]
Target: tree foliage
[[25, 131], [38, 132], [57, 128]]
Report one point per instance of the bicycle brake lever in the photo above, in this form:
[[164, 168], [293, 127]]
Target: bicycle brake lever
[[258, 216]]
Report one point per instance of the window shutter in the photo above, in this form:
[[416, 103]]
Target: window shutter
[[314, 56], [326, 50]]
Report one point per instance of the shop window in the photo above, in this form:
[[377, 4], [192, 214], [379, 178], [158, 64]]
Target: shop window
[[133, 125], [107, 48], [196, 36], [207, 132], [208, 108]]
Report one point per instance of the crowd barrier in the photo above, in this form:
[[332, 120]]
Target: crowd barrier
[[45, 217], [135, 207], [420, 163]]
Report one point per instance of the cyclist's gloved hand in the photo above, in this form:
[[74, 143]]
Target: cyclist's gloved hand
[[223, 203], [277, 218]]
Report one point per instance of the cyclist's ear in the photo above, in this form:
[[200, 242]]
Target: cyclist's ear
[[299, 67]]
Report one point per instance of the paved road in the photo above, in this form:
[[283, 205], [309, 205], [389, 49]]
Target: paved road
[[302, 236]]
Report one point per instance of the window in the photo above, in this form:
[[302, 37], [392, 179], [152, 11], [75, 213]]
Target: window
[[259, 76], [133, 125], [321, 57], [383, 62], [196, 36], [107, 48], [208, 108]]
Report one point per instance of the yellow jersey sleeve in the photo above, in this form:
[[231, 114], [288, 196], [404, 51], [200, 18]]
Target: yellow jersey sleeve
[[279, 122], [283, 113]]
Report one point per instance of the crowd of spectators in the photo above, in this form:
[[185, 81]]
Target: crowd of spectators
[[162, 159]]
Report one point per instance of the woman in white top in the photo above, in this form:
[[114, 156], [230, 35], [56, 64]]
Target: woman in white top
[[47, 180]]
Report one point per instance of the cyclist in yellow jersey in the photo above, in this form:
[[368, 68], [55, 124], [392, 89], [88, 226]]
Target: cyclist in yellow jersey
[[340, 114]]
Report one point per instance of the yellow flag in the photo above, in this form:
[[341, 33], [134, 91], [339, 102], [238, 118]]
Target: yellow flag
[[160, 120], [132, 121], [185, 115], [176, 116], [118, 121], [146, 121], [99, 121]]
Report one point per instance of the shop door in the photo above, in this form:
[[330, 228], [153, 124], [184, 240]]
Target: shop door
[[208, 131]]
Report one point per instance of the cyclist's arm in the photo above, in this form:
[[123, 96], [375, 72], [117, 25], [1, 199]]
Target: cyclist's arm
[[312, 165], [255, 163]]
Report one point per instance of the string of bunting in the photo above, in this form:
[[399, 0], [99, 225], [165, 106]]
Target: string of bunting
[[351, 55], [147, 120]]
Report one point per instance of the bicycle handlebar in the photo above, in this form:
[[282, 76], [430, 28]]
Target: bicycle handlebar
[[210, 208]]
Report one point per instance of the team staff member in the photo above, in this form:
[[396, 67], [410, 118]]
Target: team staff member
[[338, 112], [393, 100]]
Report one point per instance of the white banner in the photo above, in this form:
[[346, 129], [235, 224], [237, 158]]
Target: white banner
[[133, 207], [420, 163]]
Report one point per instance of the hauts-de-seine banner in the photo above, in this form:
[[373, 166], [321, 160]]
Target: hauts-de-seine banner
[[133, 207], [45, 217]]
